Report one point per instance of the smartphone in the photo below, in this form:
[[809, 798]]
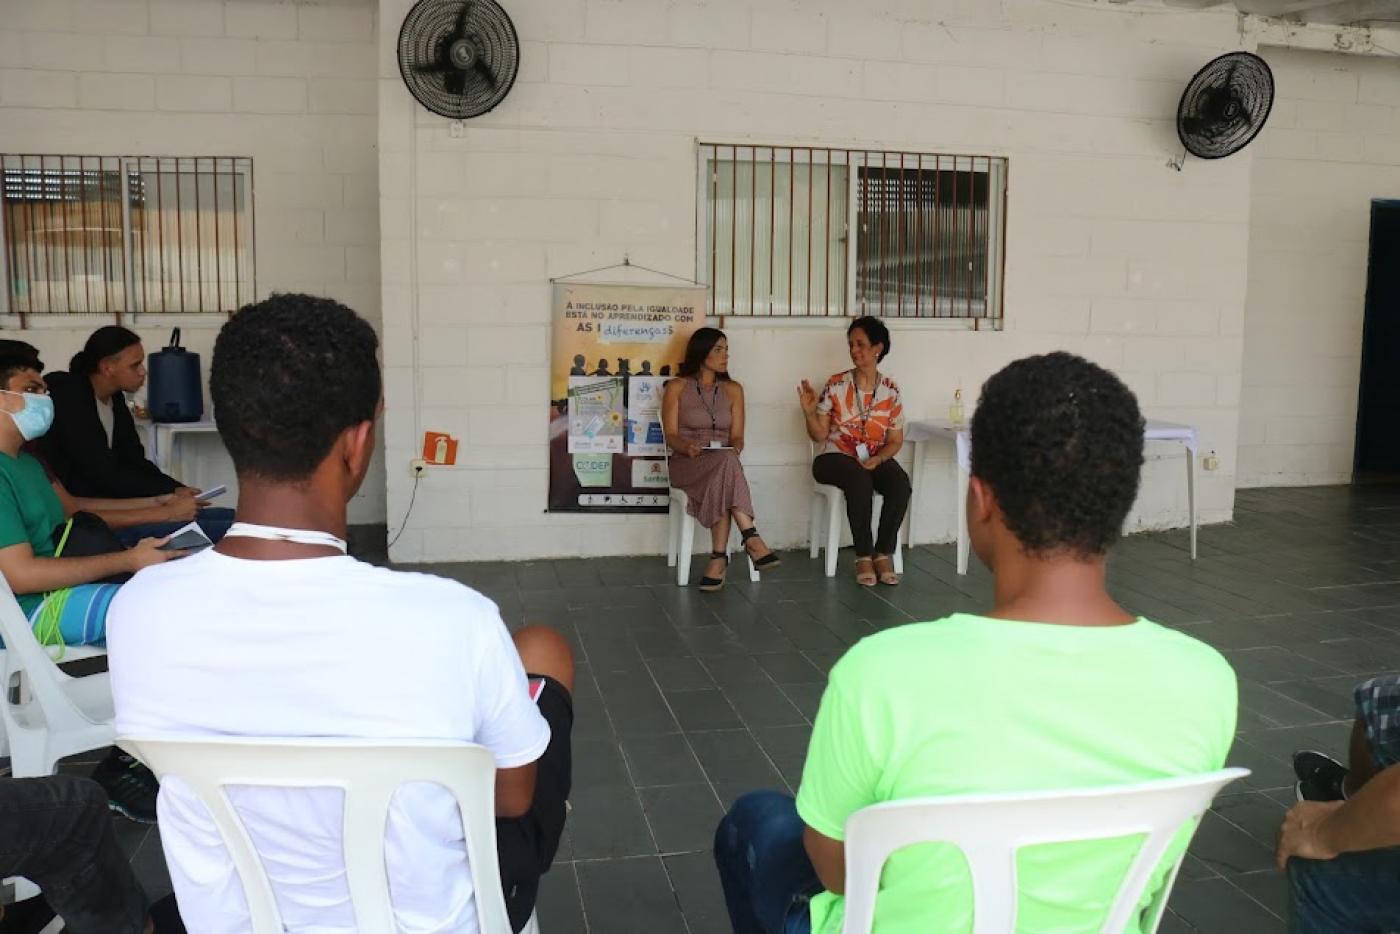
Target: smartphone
[[188, 540]]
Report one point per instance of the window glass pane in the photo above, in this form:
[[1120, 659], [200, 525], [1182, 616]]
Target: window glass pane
[[923, 247]]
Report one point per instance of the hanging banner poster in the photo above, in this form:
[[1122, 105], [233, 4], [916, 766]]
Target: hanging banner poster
[[614, 348], [644, 435]]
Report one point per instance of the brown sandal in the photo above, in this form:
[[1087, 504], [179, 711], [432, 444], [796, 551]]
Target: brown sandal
[[865, 578], [884, 567]]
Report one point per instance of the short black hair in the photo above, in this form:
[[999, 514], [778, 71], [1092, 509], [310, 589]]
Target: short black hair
[[290, 373], [10, 349], [12, 363], [1059, 441], [875, 332]]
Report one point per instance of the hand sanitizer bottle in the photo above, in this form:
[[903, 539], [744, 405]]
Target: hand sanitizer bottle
[[955, 409]]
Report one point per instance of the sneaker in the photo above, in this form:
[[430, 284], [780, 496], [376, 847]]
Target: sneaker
[[1320, 777], [131, 787]]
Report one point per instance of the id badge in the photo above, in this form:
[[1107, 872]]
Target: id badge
[[715, 445], [862, 452]]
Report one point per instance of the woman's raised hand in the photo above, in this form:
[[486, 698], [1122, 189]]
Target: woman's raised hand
[[807, 397]]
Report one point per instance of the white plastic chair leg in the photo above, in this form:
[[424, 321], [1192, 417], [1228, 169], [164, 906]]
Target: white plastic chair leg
[[814, 525], [833, 532], [673, 534], [685, 551], [533, 925]]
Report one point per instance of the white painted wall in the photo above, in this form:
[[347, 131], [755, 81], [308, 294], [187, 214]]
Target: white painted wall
[[290, 84], [1110, 253], [1331, 146]]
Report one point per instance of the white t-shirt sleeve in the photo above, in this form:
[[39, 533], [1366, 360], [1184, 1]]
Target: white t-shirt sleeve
[[510, 725]]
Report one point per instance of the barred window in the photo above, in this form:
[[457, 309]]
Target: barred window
[[817, 232], [125, 235]]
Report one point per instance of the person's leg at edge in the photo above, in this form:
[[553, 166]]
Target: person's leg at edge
[[859, 488], [1351, 894], [763, 867], [526, 845], [892, 483], [56, 832]]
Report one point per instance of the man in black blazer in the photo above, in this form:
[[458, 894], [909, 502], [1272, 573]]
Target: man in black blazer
[[77, 449]]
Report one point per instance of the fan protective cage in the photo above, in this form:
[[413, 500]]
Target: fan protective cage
[[426, 40], [1225, 105]]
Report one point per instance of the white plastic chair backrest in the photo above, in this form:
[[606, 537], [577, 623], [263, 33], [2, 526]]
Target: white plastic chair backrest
[[990, 828], [368, 772], [24, 653]]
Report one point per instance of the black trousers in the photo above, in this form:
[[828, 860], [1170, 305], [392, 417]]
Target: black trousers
[[57, 832], [860, 486], [525, 846]]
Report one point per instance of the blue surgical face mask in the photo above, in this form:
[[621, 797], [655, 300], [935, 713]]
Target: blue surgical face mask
[[36, 418]]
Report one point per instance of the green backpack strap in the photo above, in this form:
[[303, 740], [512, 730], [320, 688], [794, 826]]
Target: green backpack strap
[[47, 628]]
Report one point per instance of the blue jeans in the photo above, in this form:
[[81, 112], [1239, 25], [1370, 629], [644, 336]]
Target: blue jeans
[[1353, 893], [214, 520], [768, 879]]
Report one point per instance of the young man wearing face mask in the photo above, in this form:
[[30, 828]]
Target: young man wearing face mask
[[76, 608]]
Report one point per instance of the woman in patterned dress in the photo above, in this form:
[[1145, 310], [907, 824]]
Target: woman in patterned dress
[[702, 411], [858, 419]]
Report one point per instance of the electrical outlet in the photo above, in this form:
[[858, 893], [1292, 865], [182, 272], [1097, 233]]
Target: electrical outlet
[[1210, 461], [417, 467]]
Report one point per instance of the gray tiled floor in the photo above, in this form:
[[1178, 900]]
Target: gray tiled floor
[[686, 700]]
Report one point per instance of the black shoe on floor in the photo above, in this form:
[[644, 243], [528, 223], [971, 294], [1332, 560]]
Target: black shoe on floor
[[1320, 777], [27, 917], [131, 788]]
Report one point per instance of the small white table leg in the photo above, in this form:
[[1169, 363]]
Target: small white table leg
[[964, 544], [1191, 495]]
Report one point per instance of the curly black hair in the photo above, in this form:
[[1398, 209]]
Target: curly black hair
[[290, 373], [1059, 441]]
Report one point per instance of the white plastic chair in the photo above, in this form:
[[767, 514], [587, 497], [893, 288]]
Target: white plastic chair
[[368, 772], [829, 510], [48, 714], [989, 829], [680, 539]]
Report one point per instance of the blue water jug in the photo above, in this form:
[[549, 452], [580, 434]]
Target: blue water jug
[[176, 393]]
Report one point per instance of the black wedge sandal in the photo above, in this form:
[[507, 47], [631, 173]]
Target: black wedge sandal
[[768, 561], [711, 584]]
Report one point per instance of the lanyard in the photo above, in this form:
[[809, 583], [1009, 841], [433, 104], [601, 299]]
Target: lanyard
[[711, 407], [272, 533], [863, 411]]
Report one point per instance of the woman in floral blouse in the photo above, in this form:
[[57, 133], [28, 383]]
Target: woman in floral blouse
[[858, 419]]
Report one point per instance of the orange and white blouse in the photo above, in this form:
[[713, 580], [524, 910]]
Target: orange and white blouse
[[859, 417]]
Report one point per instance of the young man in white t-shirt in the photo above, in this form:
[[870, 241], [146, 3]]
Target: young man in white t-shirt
[[276, 632]]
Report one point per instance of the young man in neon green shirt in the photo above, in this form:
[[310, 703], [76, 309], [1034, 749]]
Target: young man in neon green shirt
[[1057, 686]]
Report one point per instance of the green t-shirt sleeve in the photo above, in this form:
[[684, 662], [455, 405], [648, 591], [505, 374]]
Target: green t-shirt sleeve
[[842, 770], [12, 528]]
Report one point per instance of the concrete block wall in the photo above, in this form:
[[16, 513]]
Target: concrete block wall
[[1109, 253], [290, 84], [1331, 146]]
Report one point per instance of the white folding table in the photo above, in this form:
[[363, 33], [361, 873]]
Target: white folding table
[[917, 432], [163, 435]]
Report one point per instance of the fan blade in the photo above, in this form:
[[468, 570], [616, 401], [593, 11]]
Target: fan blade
[[435, 68], [455, 82], [486, 75], [462, 19]]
